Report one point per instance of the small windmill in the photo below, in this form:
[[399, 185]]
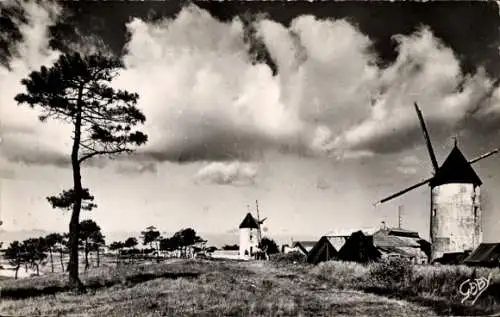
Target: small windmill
[[250, 232], [455, 220]]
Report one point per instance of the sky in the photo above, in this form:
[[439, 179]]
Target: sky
[[305, 107]]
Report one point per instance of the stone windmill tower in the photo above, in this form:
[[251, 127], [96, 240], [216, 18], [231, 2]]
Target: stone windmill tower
[[250, 234], [455, 211]]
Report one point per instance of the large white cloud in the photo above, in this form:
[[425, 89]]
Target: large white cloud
[[426, 72], [227, 173], [24, 138], [202, 96], [205, 99]]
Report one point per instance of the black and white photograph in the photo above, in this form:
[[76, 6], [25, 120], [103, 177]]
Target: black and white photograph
[[249, 158]]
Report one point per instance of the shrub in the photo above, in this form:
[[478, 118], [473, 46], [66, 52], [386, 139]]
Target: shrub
[[291, 257], [392, 274]]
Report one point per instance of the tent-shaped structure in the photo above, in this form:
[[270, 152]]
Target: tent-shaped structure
[[359, 248], [304, 246], [322, 251], [486, 254]]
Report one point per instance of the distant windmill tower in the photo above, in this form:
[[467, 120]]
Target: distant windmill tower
[[456, 224], [250, 234]]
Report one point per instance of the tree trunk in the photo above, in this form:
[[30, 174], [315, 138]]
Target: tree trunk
[[86, 256], [98, 262], [51, 259], [157, 253], [37, 269], [17, 270], [74, 280], [74, 225], [61, 258]]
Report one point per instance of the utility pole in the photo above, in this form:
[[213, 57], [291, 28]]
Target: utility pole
[[258, 219], [400, 211]]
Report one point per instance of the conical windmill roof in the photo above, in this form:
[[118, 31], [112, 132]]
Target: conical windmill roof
[[455, 169], [249, 222]]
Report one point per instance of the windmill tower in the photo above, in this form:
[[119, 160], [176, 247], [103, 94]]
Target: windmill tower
[[455, 211], [250, 234]]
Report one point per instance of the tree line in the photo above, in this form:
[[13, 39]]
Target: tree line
[[34, 252], [151, 237]]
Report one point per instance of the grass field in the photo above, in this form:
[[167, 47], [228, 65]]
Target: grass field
[[229, 288]]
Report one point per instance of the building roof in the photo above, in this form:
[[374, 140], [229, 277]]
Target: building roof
[[485, 253], [408, 252], [249, 222], [381, 239], [455, 169], [400, 232]]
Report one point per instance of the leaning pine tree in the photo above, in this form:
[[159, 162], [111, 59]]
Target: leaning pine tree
[[76, 90]]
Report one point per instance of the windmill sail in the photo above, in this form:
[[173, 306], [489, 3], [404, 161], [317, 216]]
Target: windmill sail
[[433, 160], [427, 139], [485, 155], [425, 181]]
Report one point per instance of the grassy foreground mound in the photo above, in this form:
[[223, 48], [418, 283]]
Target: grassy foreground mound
[[274, 288], [199, 288]]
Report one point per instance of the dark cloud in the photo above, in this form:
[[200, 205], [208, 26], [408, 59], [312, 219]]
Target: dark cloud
[[12, 14]]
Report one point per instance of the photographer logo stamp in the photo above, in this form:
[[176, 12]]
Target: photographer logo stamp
[[471, 289]]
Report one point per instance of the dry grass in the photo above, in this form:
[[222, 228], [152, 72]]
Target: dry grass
[[275, 288], [436, 287], [216, 288]]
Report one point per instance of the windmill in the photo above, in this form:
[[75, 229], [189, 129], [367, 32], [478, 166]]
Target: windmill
[[455, 215], [250, 233]]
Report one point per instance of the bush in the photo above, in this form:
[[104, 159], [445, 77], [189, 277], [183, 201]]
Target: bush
[[291, 257], [392, 274]]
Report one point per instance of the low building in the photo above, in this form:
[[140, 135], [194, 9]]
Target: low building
[[226, 254], [401, 243]]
